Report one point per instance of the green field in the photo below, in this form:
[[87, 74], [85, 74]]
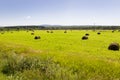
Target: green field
[[59, 55]]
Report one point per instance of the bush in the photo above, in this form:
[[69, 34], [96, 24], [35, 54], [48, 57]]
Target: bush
[[16, 63], [18, 67]]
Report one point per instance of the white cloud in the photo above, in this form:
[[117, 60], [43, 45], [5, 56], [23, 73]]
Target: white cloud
[[28, 17]]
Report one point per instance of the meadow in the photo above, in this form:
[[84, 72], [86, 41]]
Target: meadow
[[59, 55]]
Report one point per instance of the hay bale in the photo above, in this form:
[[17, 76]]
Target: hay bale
[[47, 31], [84, 37], [51, 32], [87, 34], [65, 31], [98, 33], [2, 33], [37, 37], [113, 31], [113, 46], [32, 33]]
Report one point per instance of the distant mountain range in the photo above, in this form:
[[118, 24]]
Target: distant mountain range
[[48, 25]]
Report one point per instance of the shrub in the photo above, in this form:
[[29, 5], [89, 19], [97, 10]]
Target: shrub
[[15, 63], [18, 67]]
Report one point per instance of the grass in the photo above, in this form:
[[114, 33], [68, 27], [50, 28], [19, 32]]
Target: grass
[[66, 56]]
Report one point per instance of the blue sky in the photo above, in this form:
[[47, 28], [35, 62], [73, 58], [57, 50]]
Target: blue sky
[[59, 12]]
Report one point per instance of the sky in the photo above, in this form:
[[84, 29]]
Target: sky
[[59, 12]]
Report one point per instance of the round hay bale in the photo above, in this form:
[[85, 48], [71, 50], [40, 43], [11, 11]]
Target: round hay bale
[[37, 37], [47, 31], [32, 33], [84, 37], [51, 32], [113, 31], [2, 33], [98, 33], [65, 31], [114, 46], [87, 34]]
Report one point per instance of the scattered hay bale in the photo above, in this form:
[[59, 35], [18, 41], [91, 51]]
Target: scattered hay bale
[[37, 37], [84, 37], [113, 46], [2, 33], [47, 31], [98, 33], [27, 31], [32, 33], [87, 34], [51, 32], [65, 31], [113, 31]]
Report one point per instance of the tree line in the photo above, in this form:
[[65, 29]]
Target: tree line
[[17, 28]]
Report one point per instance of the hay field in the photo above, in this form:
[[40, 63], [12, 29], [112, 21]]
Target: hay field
[[61, 56]]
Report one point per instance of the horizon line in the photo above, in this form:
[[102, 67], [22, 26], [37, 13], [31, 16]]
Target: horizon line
[[54, 25]]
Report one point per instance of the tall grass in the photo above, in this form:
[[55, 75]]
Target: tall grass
[[59, 56]]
